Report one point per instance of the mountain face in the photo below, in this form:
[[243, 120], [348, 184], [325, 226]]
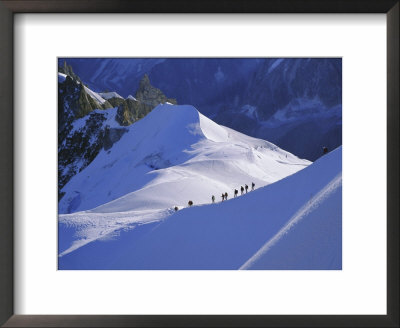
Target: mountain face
[[280, 82], [77, 147], [90, 121], [295, 103], [85, 139], [278, 99]]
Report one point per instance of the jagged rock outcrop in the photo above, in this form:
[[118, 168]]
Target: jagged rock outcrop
[[67, 70], [147, 97], [115, 102], [150, 95]]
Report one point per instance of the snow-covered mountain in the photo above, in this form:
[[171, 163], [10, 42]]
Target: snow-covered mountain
[[173, 155], [294, 223], [166, 154], [84, 124], [261, 97]]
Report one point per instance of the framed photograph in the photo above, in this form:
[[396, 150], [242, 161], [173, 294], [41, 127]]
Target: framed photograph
[[216, 164], [148, 182]]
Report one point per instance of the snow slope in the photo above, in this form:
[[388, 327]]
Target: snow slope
[[171, 156], [317, 239], [292, 224], [295, 223]]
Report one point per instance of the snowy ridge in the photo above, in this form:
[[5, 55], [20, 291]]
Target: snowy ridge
[[300, 214], [95, 96], [109, 95]]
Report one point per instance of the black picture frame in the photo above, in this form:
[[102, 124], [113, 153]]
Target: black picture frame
[[10, 7]]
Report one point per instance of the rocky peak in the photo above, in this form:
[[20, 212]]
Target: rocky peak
[[147, 97], [144, 82], [150, 95], [67, 70]]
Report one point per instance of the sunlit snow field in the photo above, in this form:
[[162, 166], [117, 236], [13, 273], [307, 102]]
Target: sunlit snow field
[[119, 212]]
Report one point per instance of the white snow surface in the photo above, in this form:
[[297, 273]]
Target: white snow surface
[[173, 155], [95, 96], [322, 214], [109, 95], [295, 223]]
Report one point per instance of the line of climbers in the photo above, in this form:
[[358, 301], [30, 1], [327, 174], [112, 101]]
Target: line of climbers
[[242, 190], [224, 196]]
